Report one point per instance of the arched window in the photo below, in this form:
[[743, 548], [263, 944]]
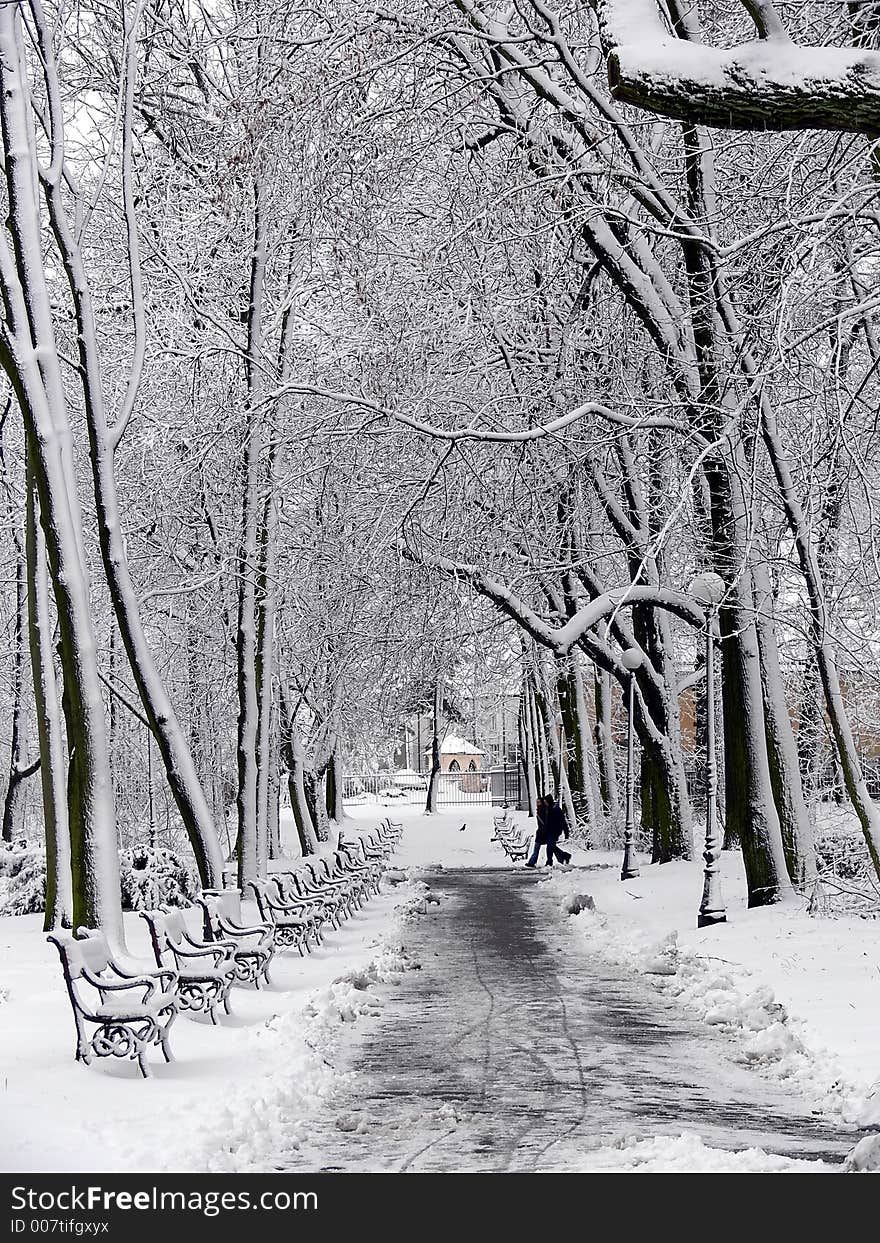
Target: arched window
[[454, 766], [472, 767]]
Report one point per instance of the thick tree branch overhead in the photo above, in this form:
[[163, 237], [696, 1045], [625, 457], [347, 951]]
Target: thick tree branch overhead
[[769, 83]]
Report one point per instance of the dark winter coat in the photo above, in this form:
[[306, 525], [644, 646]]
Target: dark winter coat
[[554, 820], [542, 835]]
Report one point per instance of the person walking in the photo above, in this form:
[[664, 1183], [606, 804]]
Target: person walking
[[541, 835], [556, 827]]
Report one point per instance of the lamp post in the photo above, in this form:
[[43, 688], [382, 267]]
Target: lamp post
[[631, 659], [559, 722], [708, 590]]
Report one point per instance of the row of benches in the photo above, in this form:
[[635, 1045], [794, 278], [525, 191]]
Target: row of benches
[[515, 842], [197, 975]]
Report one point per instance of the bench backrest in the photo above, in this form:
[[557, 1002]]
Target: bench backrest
[[289, 886], [287, 883], [175, 925], [219, 904], [267, 893], [167, 930], [227, 901], [88, 951]]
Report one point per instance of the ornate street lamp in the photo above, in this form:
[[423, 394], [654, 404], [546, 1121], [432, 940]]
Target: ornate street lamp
[[708, 590], [631, 659]]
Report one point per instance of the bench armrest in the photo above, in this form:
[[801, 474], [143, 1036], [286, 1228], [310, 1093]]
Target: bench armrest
[[147, 982], [287, 910], [238, 931], [218, 951], [160, 973]]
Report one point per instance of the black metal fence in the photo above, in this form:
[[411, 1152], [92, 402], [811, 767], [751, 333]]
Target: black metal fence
[[496, 787]]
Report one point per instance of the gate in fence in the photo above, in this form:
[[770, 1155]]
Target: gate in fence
[[495, 787]]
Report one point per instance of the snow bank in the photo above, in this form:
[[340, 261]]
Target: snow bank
[[687, 1154], [724, 994], [265, 1119]]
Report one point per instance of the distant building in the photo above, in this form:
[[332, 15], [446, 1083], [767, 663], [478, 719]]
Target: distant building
[[457, 755], [489, 722]]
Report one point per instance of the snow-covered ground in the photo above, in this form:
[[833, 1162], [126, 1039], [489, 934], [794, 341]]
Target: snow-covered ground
[[799, 996]]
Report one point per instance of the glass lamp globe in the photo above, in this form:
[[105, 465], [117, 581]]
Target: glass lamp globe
[[707, 589]]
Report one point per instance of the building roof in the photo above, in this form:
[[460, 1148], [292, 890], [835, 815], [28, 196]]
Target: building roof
[[452, 744]]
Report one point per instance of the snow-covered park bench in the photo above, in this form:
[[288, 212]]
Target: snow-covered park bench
[[295, 922], [205, 969], [388, 832], [502, 824], [360, 860], [375, 850], [346, 880], [298, 887], [129, 1010], [517, 846], [320, 892], [342, 869], [254, 945], [327, 878], [515, 842]]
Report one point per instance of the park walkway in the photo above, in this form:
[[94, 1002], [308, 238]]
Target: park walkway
[[512, 1051]]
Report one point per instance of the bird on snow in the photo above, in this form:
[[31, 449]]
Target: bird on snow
[[463, 827]]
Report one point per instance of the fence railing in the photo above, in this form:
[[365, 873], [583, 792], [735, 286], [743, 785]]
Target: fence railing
[[492, 787]]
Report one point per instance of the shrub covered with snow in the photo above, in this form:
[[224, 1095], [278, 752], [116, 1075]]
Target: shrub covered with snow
[[846, 883], [154, 876], [842, 852], [22, 879]]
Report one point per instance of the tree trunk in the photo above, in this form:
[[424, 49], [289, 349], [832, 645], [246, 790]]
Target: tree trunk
[[305, 827], [605, 750], [180, 771], [550, 739], [335, 804], [663, 796], [595, 815], [826, 657], [265, 663], [539, 743], [526, 750], [666, 813], [305, 830], [59, 889], [275, 851], [246, 634], [785, 774], [29, 356], [433, 800], [573, 760], [316, 801], [750, 808], [19, 764]]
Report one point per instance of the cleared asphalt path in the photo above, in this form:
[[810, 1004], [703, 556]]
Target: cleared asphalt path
[[512, 1050]]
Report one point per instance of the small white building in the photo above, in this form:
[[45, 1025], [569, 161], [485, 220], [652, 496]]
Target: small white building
[[457, 755]]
